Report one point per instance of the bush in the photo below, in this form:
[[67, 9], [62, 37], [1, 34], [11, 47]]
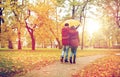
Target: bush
[[8, 68]]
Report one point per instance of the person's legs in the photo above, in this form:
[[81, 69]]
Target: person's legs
[[62, 55], [71, 54], [66, 53], [74, 57], [72, 50]]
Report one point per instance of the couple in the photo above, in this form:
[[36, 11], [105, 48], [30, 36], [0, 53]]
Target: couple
[[70, 39]]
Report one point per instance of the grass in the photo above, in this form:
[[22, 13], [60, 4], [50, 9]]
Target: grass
[[13, 61]]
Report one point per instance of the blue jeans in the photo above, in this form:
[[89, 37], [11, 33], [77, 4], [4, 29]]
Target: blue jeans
[[73, 51], [65, 50]]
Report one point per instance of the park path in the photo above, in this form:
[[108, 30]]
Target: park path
[[59, 69]]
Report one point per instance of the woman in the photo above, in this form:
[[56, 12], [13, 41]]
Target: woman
[[74, 42]]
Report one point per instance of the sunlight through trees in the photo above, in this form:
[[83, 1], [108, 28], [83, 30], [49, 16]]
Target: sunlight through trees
[[39, 22]]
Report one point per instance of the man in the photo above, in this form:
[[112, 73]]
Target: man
[[65, 42]]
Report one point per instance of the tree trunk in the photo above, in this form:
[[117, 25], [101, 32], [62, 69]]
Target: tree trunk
[[33, 40], [99, 43], [109, 43], [82, 45], [82, 38], [30, 30], [1, 19], [73, 12], [10, 45], [19, 41], [51, 44], [33, 44], [42, 44], [117, 13], [59, 44], [83, 14]]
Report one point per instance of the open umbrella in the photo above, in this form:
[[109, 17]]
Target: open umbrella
[[72, 22]]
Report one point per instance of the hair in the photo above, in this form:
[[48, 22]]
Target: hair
[[72, 27], [66, 24]]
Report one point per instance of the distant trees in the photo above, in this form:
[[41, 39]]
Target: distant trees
[[111, 20]]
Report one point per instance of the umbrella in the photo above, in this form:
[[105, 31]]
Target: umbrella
[[72, 22]]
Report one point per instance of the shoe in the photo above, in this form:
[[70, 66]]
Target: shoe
[[66, 60], [71, 60], [74, 59], [61, 59]]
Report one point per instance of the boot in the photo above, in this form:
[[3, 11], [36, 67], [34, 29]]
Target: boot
[[71, 60], [74, 59], [66, 60], [61, 59]]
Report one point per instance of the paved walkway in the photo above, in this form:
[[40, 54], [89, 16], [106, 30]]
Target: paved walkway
[[59, 69]]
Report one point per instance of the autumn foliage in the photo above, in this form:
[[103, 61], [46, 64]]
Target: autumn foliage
[[12, 63], [105, 67], [20, 62]]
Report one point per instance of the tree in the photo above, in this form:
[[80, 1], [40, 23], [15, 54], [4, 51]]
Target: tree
[[8, 36], [107, 12], [111, 17], [75, 10], [41, 18], [1, 16], [13, 13], [83, 15]]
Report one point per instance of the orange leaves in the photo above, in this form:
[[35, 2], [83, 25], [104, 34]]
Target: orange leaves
[[104, 67]]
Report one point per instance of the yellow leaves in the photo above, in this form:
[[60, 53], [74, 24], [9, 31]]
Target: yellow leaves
[[1, 5], [40, 8], [41, 11], [54, 2], [8, 2], [57, 2]]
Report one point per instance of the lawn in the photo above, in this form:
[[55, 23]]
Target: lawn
[[22, 61]]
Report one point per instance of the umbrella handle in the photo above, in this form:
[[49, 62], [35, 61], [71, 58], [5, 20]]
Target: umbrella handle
[[77, 26]]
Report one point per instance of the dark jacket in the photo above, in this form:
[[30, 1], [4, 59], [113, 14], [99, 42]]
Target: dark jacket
[[74, 37], [65, 36]]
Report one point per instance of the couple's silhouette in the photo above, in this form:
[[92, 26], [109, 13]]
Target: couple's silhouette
[[70, 39]]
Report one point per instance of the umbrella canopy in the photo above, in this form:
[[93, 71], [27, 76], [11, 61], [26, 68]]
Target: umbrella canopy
[[72, 22]]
